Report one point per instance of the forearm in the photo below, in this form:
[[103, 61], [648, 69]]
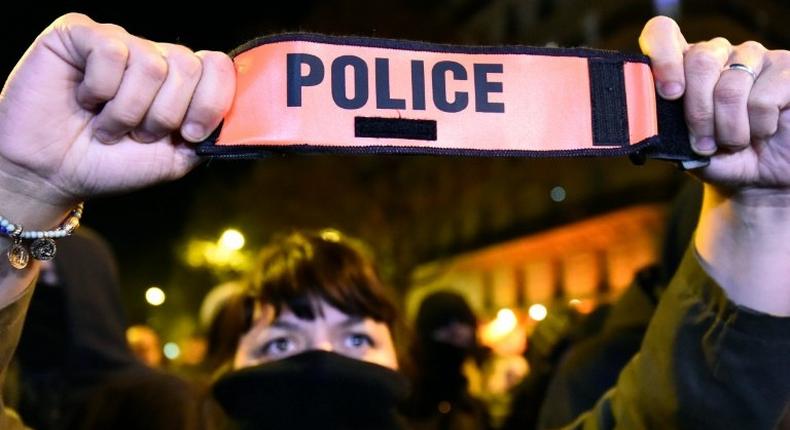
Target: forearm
[[743, 242], [22, 204]]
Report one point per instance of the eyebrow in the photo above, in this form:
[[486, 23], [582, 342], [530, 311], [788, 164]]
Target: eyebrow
[[285, 325], [351, 321]]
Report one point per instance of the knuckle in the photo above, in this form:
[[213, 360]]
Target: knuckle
[[700, 59], [735, 139], [127, 117], [779, 57], [720, 42], [205, 112], [114, 50], [728, 95], [751, 46], [699, 116], [113, 29], [763, 111], [764, 131], [154, 67], [188, 64], [96, 90], [761, 104], [216, 59], [70, 23], [165, 120], [182, 59], [72, 18]]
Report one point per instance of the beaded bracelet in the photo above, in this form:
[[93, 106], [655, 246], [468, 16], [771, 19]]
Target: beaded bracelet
[[42, 247]]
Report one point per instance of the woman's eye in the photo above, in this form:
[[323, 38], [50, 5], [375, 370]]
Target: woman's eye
[[278, 346], [359, 340]]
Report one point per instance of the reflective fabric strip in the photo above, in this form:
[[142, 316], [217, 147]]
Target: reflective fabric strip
[[314, 93]]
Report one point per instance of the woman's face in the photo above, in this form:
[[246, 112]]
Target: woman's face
[[331, 330]]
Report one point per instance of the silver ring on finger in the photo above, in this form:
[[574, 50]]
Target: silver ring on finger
[[743, 68]]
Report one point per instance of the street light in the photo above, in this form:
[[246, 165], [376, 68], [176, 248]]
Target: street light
[[231, 240], [538, 312], [155, 296]]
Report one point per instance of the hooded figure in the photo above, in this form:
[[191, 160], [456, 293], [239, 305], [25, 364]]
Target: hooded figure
[[73, 366], [445, 337]]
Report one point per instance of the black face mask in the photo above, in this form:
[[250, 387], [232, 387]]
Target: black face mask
[[444, 357], [313, 390]]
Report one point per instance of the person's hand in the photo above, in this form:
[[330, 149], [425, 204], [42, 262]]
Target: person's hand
[[92, 109], [742, 121], [739, 116]]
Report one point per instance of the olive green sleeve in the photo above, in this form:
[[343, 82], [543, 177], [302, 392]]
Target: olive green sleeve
[[12, 318], [705, 363]]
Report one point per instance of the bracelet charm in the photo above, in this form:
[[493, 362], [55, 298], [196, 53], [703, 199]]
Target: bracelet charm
[[43, 249], [18, 255]]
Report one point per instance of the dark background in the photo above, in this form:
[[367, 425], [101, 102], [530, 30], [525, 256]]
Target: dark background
[[411, 209]]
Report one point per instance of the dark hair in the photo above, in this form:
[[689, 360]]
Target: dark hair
[[295, 270], [232, 320]]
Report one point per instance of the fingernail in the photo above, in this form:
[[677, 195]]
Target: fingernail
[[705, 145], [104, 136], [193, 131], [670, 89], [144, 136]]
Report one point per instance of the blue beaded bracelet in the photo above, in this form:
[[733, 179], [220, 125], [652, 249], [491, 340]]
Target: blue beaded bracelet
[[42, 246]]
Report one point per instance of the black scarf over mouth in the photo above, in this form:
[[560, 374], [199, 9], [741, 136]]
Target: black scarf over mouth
[[313, 390]]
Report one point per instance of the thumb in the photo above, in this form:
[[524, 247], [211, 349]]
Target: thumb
[[663, 42]]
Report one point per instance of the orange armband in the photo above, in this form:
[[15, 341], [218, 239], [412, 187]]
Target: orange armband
[[315, 93]]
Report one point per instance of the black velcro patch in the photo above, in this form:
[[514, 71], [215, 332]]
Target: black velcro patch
[[395, 128], [608, 101]]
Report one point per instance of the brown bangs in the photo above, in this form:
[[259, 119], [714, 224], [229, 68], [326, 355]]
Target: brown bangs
[[296, 270]]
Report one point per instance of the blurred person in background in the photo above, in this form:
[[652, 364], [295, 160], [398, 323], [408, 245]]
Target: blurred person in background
[[444, 339], [145, 345], [550, 340], [73, 349]]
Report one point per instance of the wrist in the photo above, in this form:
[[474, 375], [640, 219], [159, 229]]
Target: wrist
[[33, 212], [28, 204], [743, 240]]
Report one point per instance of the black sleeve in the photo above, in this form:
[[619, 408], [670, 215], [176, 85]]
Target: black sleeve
[[705, 363], [143, 398]]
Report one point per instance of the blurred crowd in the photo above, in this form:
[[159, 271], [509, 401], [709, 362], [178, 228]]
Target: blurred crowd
[[79, 366]]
